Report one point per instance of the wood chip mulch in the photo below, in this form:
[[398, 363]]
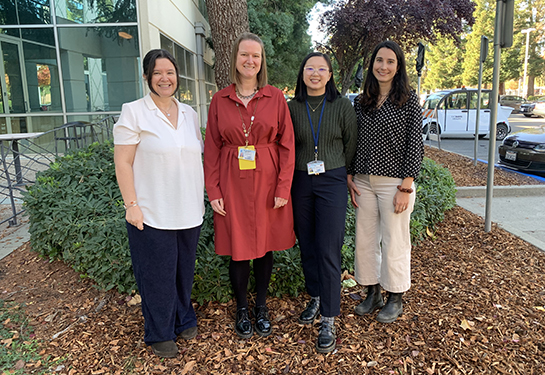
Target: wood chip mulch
[[476, 306]]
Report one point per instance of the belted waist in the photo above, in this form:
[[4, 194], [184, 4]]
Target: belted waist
[[257, 147]]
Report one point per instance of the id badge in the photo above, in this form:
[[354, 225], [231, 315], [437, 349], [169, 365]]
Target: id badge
[[316, 167], [246, 157]]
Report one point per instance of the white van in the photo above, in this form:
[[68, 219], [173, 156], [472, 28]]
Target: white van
[[456, 113]]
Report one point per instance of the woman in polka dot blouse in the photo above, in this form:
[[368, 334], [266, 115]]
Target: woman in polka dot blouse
[[381, 180]]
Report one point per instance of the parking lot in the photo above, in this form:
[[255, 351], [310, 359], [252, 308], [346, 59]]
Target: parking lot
[[466, 146]]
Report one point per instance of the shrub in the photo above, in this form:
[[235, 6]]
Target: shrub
[[76, 215]]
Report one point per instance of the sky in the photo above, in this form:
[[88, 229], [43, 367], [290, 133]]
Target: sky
[[313, 20]]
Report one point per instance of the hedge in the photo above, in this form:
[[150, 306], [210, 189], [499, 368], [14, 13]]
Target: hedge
[[76, 215]]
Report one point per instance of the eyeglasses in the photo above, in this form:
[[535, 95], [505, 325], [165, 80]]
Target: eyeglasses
[[321, 71]]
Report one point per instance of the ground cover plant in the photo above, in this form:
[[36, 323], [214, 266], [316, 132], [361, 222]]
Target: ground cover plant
[[76, 215]]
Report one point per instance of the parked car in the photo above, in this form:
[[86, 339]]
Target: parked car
[[453, 113], [524, 150], [527, 109], [539, 108], [512, 101]]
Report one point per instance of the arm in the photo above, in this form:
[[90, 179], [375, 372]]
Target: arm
[[213, 144], [349, 132], [124, 158], [286, 152]]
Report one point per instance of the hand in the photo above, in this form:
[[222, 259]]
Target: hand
[[353, 190], [134, 216], [401, 202], [217, 206], [279, 202]]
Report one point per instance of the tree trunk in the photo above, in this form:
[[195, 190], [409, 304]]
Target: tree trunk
[[531, 88], [228, 19]]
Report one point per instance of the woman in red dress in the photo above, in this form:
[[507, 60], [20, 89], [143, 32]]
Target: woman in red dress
[[249, 161]]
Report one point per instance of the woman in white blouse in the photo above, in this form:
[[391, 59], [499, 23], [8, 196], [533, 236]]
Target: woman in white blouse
[[158, 148]]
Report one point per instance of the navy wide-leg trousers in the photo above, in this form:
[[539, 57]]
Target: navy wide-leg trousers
[[319, 211], [163, 262]]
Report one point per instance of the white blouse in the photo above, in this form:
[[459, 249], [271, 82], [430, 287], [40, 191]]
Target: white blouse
[[168, 172]]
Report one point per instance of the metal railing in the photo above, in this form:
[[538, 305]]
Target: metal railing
[[23, 155]]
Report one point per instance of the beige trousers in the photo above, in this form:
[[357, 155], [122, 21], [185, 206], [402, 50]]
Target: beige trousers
[[383, 238]]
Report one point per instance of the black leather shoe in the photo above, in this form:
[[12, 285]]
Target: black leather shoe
[[243, 325], [189, 333], [310, 313], [327, 338], [165, 349], [372, 302], [262, 322], [392, 309]]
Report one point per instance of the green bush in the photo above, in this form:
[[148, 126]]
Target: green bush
[[76, 215]]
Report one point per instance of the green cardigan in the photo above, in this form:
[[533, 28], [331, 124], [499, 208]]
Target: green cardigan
[[338, 133]]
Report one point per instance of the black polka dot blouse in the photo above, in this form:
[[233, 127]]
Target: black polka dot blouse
[[389, 140]]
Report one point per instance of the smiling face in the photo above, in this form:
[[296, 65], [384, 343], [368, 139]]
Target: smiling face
[[164, 78], [385, 66], [248, 59], [316, 74]]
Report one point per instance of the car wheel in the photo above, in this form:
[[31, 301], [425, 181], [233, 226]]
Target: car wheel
[[501, 132], [433, 129]]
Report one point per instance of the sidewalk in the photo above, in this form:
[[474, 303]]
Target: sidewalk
[[519, 210], [15, 238]]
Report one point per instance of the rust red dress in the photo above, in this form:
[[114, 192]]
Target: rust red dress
[[251, 227]]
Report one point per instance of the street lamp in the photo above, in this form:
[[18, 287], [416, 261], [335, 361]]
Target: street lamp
[[524, 87]]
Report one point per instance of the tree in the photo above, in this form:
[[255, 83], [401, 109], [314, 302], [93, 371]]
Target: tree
[[282, 25], [445, 59], [228, 19], [356, 26]]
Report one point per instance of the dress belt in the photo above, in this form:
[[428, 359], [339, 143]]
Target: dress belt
[[257, 147]]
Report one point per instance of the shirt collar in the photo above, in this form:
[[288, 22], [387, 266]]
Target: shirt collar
[[151, 104]]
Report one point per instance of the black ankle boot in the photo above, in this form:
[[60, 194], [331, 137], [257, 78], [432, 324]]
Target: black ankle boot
[[310, 312], [372, 302], [243, 325], [392, 309], [262, 321], [327, 338]]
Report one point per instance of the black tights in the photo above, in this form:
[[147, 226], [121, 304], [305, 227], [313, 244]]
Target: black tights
[[239, 273]]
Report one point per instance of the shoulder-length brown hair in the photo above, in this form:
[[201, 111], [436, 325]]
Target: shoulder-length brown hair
[[262, 74], [400, 91]]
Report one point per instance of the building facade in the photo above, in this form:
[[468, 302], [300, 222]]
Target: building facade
[[80, 60]]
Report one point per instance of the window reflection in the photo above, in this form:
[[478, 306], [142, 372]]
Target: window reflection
[[24, 12], [95, 11], [42, 77], [100, 68]]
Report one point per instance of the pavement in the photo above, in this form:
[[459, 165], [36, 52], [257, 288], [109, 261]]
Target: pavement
[[519, 210]]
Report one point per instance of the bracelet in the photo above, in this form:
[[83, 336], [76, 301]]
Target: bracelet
[[404, 190], [131, 204]]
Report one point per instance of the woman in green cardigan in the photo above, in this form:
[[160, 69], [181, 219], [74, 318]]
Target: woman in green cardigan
[[325, 142]]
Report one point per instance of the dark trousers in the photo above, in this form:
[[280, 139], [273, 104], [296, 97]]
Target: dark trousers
[[319, 211], [163, 262]]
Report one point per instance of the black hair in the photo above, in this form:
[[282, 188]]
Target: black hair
[[400, 91], [149, 64], [331, 92]]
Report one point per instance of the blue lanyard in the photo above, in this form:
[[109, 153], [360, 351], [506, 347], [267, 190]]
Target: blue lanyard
[[317, 135]]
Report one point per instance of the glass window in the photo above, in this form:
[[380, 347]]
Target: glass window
[[189, 65], [45, 36], [485, 100], [180, 59], [457, 101], [101, 67], [24, 12], [97, 11], [42, 77], [167, 44]]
